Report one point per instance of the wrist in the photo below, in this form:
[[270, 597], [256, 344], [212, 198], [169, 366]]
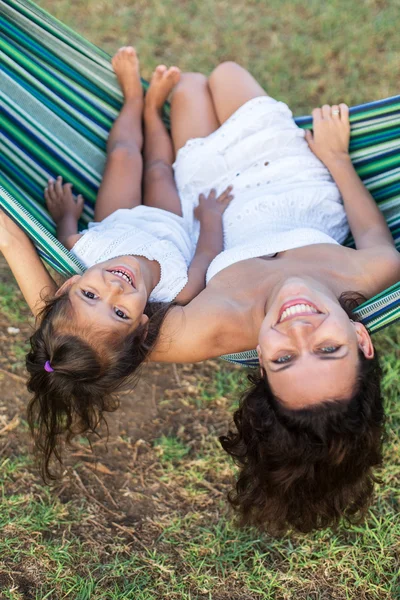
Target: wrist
[[210, 218], [66, 219], [341, 159]]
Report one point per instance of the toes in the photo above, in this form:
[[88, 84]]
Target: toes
[[173, 73]]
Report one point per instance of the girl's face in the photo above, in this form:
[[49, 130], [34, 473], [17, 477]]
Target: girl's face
[[308, 346], [110, 295]]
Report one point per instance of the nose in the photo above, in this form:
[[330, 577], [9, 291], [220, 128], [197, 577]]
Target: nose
[[114, 285], [300, 329]]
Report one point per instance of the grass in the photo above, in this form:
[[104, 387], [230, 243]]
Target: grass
[[59, 542]]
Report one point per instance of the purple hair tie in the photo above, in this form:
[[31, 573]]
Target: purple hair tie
[[48, 367]]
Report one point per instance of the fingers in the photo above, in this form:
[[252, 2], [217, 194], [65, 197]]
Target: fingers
[[225, 194], [309, 137], [326, 111], [212, 195], [344, 112], [335, 111], [317, 114]]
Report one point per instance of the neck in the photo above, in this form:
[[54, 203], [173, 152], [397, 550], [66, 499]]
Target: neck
[[151, 272]]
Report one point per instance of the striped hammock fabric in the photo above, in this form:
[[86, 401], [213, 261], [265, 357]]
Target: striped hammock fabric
[[59, 98]]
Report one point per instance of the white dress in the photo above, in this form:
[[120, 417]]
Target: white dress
[[145, 231], [284, 197]]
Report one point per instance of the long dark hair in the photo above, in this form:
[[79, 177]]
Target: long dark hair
[[305, 469], [88, 371]]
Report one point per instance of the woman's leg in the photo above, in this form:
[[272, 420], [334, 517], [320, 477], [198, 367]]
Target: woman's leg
[[192, 110], [121, 186], [231, 86]]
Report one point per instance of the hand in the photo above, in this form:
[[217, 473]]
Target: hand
[[61, 202], [212, 204], [331, 133], [9, 231]]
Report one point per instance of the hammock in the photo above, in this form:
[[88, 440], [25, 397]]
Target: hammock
[[59, 98]]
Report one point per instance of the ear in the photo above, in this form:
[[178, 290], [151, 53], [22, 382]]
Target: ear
[[364, 341], [144, 321], [67, 284]]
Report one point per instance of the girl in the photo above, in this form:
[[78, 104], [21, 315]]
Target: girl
[[100, 326]]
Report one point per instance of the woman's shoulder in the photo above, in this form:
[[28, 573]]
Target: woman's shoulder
[[379, 266], [195, 332]]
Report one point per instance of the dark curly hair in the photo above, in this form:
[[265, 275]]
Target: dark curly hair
[[89, 368], [305, 469]]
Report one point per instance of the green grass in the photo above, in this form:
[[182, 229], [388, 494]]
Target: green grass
[[305, 53], [12, 303]]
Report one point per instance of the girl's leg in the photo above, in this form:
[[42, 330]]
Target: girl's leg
[[192, 110], [122, 178], [231, 86]]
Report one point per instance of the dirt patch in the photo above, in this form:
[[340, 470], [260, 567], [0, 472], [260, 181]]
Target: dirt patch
[[120, 473]]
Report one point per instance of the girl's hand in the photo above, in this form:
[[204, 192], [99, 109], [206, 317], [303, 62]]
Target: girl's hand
[[61, 202], [331, 133], [212, 204], [9, 231]]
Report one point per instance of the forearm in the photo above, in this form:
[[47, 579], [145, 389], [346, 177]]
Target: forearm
[[66, 227], [210, 244], [362, 212], [29, 271], [211, 238]]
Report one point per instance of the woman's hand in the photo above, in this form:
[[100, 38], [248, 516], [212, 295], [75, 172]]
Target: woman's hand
[[330, 138], [9, 231], [213, 204], [61, 202]]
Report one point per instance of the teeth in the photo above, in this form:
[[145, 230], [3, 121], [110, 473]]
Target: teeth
[[123, 275], [297, 309]]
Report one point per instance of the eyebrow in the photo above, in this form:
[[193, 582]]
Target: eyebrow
[[320, 358]]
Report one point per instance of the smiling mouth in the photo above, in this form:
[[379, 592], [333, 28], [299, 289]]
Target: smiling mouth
[[123, 274], [297, 308]]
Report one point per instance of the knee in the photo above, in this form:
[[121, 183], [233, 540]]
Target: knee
[[224, 69], [190, 81], [124, 155]]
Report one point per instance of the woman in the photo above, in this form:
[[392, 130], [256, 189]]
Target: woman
[[308, 432]]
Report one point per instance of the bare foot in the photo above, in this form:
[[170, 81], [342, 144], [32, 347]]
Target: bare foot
[[162, 83], [126, 66]]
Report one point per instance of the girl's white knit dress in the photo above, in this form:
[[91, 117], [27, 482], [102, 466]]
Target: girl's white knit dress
[[284, 197], [142, 231]]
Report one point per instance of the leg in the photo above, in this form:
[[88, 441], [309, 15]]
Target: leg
[[121, 184], [192, 110], [159, 189], [232, 86]]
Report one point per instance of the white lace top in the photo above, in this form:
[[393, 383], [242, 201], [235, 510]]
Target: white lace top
[[142, 231]]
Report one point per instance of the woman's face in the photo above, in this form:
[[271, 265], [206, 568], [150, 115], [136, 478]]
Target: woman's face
[[308, 346], [110, 295]]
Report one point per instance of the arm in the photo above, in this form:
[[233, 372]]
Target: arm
[[65, 210], [210, 243], [24, 262], [329, 142], [196, 332]]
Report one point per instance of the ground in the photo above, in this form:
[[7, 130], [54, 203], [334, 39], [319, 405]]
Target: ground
[[146, 516]]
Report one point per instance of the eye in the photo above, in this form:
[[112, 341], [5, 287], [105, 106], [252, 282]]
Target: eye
[[120, 314], [330, 349], [89, 295], [283, 359]]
